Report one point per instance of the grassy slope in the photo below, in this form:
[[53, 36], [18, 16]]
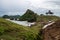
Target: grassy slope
[[47, 18], [12, 31]]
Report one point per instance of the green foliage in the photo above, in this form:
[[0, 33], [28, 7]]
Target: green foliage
[[15, 16], [6, 16], [47, 18], [29, 16], [49, 12], [12, 17], [12, 31]]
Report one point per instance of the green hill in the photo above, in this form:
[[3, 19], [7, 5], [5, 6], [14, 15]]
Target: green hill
[[46, 18], [29, 16], [11, 16], [12, 31]]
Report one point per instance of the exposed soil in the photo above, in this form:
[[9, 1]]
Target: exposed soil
[[52, 32]]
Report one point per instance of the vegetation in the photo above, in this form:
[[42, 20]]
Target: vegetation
[[47, 18], [15, 16], [12, 31], [11, 17], [49, 13], [6, 16], [29, 16]]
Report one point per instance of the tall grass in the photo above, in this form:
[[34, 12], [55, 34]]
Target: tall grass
[[12, 31]]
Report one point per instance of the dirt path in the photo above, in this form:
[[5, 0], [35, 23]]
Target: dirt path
[[52, 31], [48, 25]]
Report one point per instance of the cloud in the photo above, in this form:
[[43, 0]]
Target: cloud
[[15, 7], [48, 4]]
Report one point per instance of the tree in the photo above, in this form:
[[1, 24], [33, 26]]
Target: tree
[[49, 12], [46, 13], [5, 16], [41, 14]]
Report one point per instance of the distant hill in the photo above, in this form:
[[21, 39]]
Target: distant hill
[[15, 16], [29, 16], [12, 16]]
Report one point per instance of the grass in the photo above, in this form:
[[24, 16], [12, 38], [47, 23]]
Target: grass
[[12, 31], [47, 18]]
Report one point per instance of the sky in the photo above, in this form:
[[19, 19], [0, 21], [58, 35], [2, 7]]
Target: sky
[[19, 7]]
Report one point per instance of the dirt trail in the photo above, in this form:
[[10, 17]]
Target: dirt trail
[[48, 25], [52, 32]]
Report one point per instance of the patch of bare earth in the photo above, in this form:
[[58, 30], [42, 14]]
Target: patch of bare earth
[[52, 32]]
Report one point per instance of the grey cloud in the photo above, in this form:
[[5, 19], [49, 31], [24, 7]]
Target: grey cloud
[[54, 2], [13, 6], [43, 11], [20, 9]]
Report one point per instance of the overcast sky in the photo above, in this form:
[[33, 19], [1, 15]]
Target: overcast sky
[[18, 7]]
